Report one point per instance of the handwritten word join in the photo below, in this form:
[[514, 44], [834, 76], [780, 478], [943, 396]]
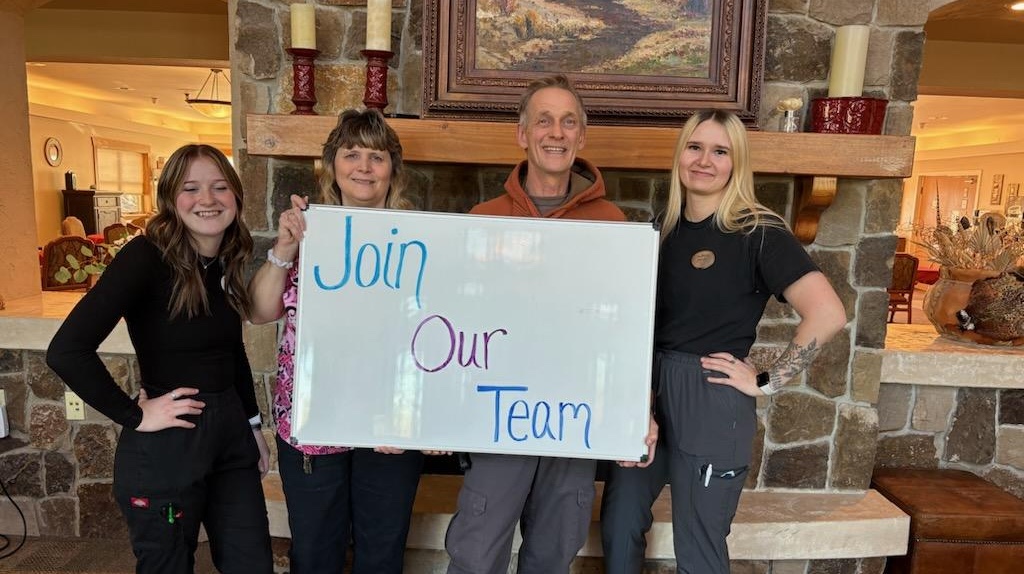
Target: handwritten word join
[[374, 264]]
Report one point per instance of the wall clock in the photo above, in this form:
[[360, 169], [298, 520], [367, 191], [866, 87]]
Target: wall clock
[[53, 152]]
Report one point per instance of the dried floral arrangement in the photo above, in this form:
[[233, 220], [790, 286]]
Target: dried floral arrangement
[[789, 105], [982, 246]]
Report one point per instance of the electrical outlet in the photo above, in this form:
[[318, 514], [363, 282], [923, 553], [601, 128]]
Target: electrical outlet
[[74, 405]]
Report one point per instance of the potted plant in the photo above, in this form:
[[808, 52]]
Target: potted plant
[[88, 264], [965, 255]]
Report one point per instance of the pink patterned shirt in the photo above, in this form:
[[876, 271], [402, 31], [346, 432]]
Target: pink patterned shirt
[[286, 370]]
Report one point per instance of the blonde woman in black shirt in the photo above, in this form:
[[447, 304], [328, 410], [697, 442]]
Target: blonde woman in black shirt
[[723, 255], [190, 450]]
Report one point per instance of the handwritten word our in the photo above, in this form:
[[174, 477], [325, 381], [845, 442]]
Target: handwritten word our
[[448, 335], [373, 265]]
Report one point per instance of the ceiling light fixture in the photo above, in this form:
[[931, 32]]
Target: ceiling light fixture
[[208, 102], [1018, 6]]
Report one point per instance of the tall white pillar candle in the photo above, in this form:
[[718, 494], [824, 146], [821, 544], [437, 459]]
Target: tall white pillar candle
[[303, 26], [849, 56], [378, 25]]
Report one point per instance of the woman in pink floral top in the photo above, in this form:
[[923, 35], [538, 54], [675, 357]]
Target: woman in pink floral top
[[337, 494]]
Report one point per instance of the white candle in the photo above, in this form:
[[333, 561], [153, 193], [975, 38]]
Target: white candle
[[849, 55], [378, 25], [304, 26]]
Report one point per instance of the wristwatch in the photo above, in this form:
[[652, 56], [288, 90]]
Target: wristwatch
[[764, 382]]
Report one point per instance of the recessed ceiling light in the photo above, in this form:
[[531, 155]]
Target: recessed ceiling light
[[1018, 6]]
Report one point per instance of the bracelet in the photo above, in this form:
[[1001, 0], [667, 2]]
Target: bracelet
[[276, 261], [256, 422], [256, 426]]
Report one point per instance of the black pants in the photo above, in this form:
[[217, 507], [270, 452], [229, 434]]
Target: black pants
[[703, 452], [358, 494], [169, 482]]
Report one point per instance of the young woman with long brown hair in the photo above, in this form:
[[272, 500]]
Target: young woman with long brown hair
[[190, 450]]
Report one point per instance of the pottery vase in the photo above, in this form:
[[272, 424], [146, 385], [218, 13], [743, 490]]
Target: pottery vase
[[950, 294]]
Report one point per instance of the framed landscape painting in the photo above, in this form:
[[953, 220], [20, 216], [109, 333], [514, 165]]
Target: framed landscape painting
[[634, 62]]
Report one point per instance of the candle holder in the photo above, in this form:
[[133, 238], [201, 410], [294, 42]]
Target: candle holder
[[303, 80], [848, 115], [376, 94]]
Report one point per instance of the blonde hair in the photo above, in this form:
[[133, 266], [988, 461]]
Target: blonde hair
[[739, 209], [366, 129], [168, 232]]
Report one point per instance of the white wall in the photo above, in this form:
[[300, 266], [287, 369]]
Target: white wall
[[76, 140], [1011, 165]]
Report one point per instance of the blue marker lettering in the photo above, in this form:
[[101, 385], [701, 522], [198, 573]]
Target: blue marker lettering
[[369, 268], [539, 416], [497, 401], [512, 416]]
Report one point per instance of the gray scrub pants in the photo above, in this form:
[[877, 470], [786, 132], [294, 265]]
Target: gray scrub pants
[[551, 498], [702, 425]]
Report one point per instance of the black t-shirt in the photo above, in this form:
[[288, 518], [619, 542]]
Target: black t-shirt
[[205, 352], [717, 309]]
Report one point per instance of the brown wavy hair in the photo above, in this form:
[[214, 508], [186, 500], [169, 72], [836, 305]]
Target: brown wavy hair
[[167, 231], [370, 130]]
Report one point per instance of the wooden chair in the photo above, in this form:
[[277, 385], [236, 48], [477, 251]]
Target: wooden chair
[[139, 222], [115, 232], [72, 226], [901, 289], [55, 256]]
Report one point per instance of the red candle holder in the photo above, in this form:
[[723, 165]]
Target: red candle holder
[[376, 94], [303, 80], [848, 115]]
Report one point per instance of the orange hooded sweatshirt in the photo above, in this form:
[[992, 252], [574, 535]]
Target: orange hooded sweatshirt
[[586, 197]]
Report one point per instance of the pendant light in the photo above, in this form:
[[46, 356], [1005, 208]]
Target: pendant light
[[208, 101]]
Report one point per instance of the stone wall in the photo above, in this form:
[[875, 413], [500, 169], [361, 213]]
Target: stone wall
[[977, 430]]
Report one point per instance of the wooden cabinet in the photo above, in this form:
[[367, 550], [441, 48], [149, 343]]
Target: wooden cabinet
[[108, 210], [96, 209]]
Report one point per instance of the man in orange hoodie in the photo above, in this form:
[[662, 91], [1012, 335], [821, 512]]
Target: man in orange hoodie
[[552, 497]]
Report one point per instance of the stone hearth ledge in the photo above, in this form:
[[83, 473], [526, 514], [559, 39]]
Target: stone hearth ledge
[[917, 355], [769, 525], [30, 323]]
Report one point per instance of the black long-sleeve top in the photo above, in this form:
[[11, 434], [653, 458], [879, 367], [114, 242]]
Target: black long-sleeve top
[[205, 352]]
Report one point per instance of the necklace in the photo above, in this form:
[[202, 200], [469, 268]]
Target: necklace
[[206, 261]]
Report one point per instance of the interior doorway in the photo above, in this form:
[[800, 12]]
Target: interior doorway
[[942, 200]]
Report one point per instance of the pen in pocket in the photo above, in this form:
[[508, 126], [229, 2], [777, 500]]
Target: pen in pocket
[[708, 471]]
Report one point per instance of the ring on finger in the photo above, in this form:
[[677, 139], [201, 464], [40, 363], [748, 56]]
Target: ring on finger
[[174, 396]]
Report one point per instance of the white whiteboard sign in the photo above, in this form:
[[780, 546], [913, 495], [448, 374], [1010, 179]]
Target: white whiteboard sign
[[474, 334]]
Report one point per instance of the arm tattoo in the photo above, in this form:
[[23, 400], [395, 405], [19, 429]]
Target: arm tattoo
[[791, 363]]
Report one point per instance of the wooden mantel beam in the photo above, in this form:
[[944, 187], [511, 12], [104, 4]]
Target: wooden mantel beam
[[614, 147], [608, 147]]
